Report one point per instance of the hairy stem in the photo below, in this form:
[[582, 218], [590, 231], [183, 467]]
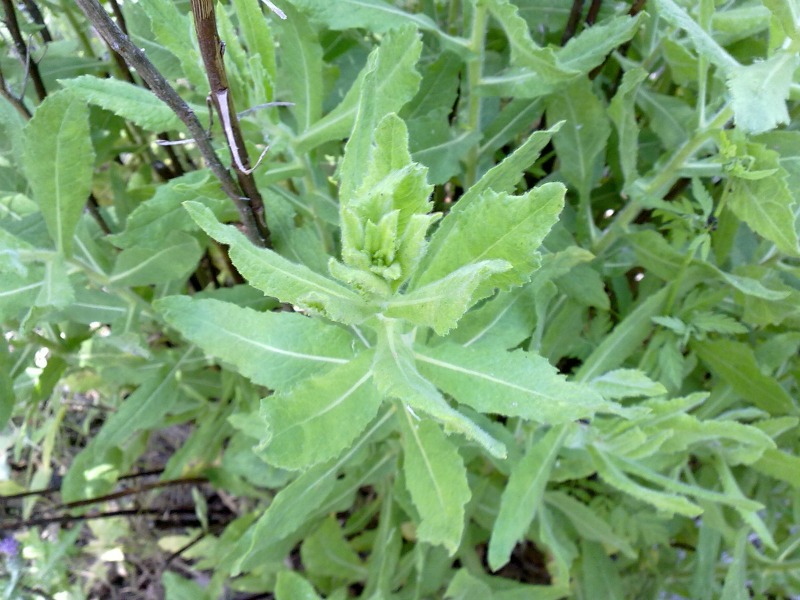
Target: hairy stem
[[119, 42]]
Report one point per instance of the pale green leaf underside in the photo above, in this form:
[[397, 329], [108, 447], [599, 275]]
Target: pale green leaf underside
[[759, 92], [514, 384], [274, 349], [321, 416], [436, 479]]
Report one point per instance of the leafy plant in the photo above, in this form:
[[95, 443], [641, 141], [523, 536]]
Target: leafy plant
[[508, 309]]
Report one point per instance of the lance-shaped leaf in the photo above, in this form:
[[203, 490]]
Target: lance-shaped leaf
[[523, 495], [514, 384], [436, 479], [131, 102], [627, 383], [145, 265], [280, 278], [274, 349], [622, 113], [396, 82], [320, 416], [59, 161], [500, 178], [582, 141], [498, 227], [588, 49], [442, 303], [397, 377]]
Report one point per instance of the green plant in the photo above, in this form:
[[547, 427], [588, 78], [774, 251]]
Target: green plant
[[509, 309]]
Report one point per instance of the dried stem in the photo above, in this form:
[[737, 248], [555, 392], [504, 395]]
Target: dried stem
[[12, 99], [594, 10], [135, 58], [36, 16], [22, 49], [211, 49]]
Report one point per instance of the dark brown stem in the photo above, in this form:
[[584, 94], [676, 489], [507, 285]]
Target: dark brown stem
[[211, 49], [94, 209], [594, 10], [12, 99], [22, 49], [572, 21], [36, 16], [135, 58], [133, 512], [133, 491], [637, 7], [119, 16]]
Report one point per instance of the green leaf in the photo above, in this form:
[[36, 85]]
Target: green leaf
[[498, 227], [587, 522], [131, 102], [397, 377], [704, 44], [436, 479], [667, 502], [258, 38], [625, 339], [173, 31], [320, 416], [627, 383], [780, 465], [465, 586], [442, 303], [163, 214], [622, 113], [582, 141], [157, 262], [59, 161], [301, 66], [589, 49], [396, 82], [8, 397], [274, 349], [599, 575], [291, 586], [736, 364], [438, 146], [56, 290], [499, 179], [766, 204], [523, 495], [278, 277], [375, 15], [735, 587], [759, 92], [18, 291], [326, 552], [514, 384]]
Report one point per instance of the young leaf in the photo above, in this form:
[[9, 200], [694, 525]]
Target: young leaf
[[320, 416], [276, 276], [523, 495], [436, 479], [258, 38], [498, 227], [514, 384], [131, 102], [59, 161], [441, 304], [326, 552], [145, 265], [273, 349]]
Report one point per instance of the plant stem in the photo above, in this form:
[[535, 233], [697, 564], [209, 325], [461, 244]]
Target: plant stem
[[36, 16], [211, 49], [23, 49], [660, 184], [474, 101], [17, 103], [119, 42], [572, 21]]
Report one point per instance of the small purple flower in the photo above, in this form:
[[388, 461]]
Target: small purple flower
[[9, 546]]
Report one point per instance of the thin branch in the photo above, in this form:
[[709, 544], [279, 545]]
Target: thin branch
[[594, 10], [572, 21], [136, 58], [211, 49], [12, 99], [22, 49], [133, 491], [36, 16]]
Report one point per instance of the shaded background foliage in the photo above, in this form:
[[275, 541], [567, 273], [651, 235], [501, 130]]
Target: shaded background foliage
[[136, 459]]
